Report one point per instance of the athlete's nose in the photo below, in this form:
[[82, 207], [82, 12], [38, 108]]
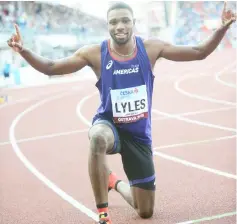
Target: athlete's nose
[[120, 27]]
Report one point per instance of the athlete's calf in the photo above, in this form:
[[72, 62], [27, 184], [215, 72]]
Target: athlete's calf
[[101, 140]]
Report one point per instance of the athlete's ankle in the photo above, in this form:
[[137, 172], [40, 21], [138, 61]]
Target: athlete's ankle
[[103, 212], [117, 184]]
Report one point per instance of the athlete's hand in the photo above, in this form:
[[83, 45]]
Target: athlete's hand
[[15, 42], [227, 17]]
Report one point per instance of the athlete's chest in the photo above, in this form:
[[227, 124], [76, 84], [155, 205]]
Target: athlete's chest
[[122, 69], [120, 66], [127, 87]]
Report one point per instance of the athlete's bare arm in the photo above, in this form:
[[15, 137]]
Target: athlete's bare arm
[[77, 61], [187, 53]]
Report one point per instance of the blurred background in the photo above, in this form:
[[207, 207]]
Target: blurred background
[[56, 29]]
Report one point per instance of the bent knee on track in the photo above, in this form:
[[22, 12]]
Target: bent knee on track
[[146, 214], [144, 200]]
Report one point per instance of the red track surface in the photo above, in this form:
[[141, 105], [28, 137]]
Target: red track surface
[[183, 192]]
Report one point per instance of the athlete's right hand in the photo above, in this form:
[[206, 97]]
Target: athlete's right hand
[[15, 42]]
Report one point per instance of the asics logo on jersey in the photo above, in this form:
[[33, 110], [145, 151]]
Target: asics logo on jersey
[[109, 65]]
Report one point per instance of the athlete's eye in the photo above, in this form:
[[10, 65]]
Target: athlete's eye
[[126, 21], [113, 22]]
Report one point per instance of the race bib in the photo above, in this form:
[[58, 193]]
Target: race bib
[[130, 104]]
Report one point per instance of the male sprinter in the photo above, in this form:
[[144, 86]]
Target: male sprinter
[[122, 124]]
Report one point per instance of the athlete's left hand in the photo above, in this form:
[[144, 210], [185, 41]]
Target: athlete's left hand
[[227, 17]]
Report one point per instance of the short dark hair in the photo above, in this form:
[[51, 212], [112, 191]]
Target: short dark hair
[[119, 5]]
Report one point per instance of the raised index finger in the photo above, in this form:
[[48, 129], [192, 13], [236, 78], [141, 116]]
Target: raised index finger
[[17, 31], [224, 9]]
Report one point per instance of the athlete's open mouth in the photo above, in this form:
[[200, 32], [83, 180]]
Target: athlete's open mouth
[[121, 35]]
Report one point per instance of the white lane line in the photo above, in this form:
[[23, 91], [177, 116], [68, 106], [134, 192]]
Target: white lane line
[[225, 83], [210, 218], [194, 165], [174, 159], [218, 79], [194, 121], [45, 136], [197, 112], [79, 107], [30, 98], [88, 123], [33, 170], [174, 116], [196, 96], [195, 142], [85, 130]]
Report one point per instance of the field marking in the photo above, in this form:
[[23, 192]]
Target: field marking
[[85, 130], [24, 100], [218, 79], [37, 173], [39, 137], [195, 142], [194, 165], [197, 112], [165, 156], [210, 218], [225, 83], [174, 116], [79, 106], [196, 96]]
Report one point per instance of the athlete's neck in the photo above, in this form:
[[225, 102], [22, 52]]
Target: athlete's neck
[[123, 49]]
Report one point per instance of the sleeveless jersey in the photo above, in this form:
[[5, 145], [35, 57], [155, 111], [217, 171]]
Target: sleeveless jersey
[[126, 88]]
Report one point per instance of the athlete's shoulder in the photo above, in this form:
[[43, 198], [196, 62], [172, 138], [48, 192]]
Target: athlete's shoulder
[[91, 48], [153, 47], [153, 42], [95, 48], [90, 53], [150, 42]]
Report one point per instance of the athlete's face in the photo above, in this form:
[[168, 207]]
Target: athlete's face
[[120, 25]]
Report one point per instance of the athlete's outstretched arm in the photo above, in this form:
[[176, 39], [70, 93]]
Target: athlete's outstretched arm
[[56, 67], [49, 67], [199, 52]]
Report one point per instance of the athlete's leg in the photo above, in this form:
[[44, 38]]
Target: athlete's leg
[[139, 168], [121, 187], [144, 200], [103, 140], [140, 199]]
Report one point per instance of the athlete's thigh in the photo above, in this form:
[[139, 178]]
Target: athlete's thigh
[[139, 167], [108, 131]]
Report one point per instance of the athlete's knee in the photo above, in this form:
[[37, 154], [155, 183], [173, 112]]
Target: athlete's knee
[[98, 143], [144, 200], [101, 138], [146, 213]]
